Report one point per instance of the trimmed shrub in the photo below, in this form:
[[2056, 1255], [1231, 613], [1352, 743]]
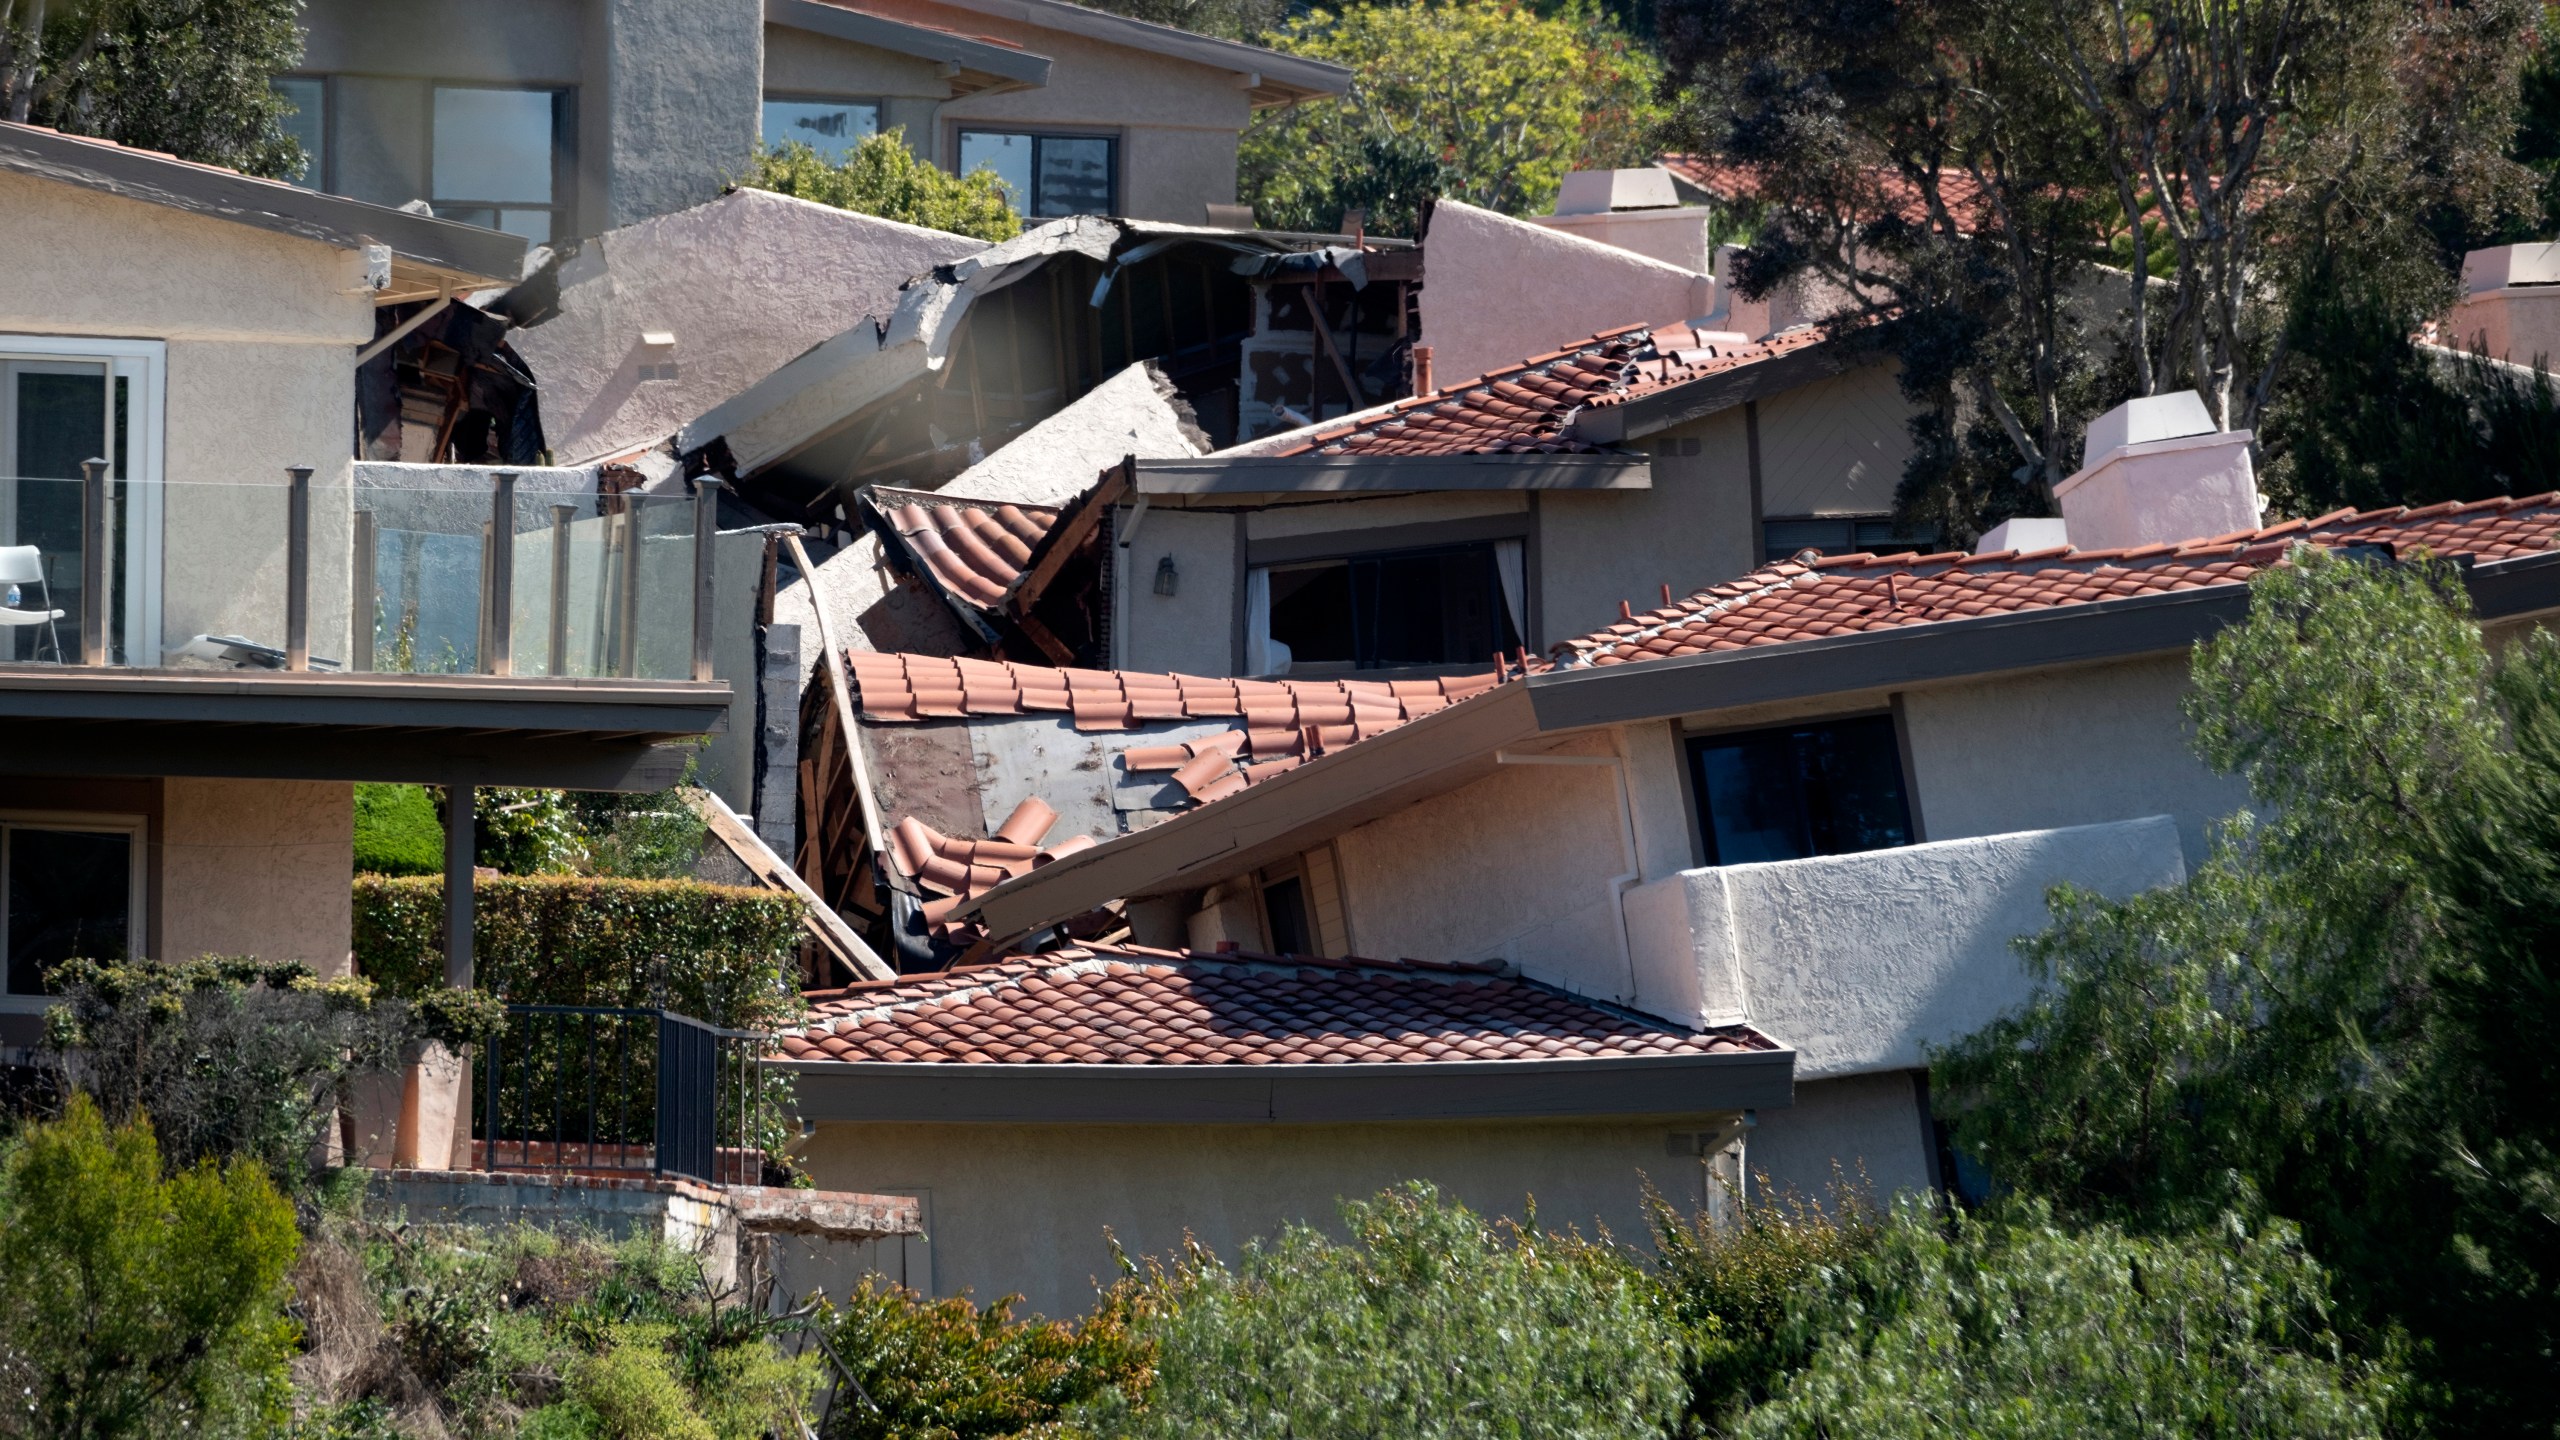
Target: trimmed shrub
[[947, 1370], [719, 953], [883, 177], [397, 832], [1732, 1288]]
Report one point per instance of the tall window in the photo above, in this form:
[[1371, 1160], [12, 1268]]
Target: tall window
[[70, 888], [500, 159], [833, 128], [1048, 175], [1829, 787], [308, 125], [1450, 605]]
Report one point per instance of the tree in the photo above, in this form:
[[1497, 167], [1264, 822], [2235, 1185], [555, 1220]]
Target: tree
[[1246, 20], [883, 177], [1485, 101], [136, 1305], [190, 77]]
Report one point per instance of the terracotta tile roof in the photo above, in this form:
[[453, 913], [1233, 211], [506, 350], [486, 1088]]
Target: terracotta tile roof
[[978, 550], [1733, 180], [1121, 1004], [1528, 408], [1848, 594], [962, 870]]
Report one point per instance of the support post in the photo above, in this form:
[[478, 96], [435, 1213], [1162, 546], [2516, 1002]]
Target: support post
[[561, 516], [706, 533], [297, 567], [361, 601], [461, 838], [627, 601], [499, 658], [94, 600]]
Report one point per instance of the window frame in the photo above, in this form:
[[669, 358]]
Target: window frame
[[879, 105], [1336, 669], [322, 175], [1701, 828], [143, 364], [137, 902], [1117, 139], [1771, 554], [563, 204]]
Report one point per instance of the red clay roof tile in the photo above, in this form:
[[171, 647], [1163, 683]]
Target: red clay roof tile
[[977, 550]]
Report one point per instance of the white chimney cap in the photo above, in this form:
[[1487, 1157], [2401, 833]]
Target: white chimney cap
[[2022, 534], [658, 339], [1597, 192], [2500, 266], [2152, 417]]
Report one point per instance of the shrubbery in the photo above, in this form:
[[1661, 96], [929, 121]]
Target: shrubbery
[[883, 177], [948, 1370], [398, 831]]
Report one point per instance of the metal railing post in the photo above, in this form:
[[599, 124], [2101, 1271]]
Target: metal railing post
[[499, 603], [706, 531], [561, 516], [361, 601], [627, 640], [297, 567], [94, 602]]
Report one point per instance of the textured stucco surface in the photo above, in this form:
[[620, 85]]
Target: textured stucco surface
[[1862, 961], [1866, 1133], [684, 90], [2162, 492], [1554, 288], [744, 282], [1023, 1208], [1192, 630], [797, 62], [1836, 446], [2521, 325], [1135, 412], [1675, 237], [1693, 528], [257, 867]]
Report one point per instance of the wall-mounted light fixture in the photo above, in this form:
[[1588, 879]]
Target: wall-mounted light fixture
[[1168, 579]]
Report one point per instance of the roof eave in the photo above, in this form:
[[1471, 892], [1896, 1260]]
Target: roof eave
[[1003, 66], [1680, 404], [1319, 473], [1266, 68]]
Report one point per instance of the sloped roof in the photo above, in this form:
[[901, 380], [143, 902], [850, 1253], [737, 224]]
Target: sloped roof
[[1837, 595], [1120, 1004], [893, 688], [978, 549], [1734, 180]]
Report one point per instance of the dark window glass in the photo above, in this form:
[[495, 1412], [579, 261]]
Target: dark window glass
[[308, 124], [70, 896], [1842, 535], [1424, 607], [1046, 176], [1828, 788], [1284, 904], [498, 159], [833, 128]]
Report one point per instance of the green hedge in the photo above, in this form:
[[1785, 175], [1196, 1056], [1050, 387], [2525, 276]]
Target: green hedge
[[715, 952], [397, 832]]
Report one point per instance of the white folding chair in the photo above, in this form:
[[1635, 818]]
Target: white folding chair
[[21, 566]]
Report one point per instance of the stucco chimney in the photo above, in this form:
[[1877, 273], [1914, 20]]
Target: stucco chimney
[[2023, 534], [2510, 305], [1635, 210], [2156, 472], [1597, 192]]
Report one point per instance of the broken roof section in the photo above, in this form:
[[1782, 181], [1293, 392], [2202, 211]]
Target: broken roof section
[[638, 330], [995, 563]]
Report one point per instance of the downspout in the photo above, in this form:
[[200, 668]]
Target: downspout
[[1618, 885]]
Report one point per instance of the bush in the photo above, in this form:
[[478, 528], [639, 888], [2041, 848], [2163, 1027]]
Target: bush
[[947, 1370], [2011, 1327], [1730, 1288], [1433, 1322], [883, 177], [719, 953], [397, 831], [132, 1304]]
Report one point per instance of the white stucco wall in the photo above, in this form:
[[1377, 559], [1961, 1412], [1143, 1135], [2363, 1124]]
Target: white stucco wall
[[257, 867], [1866, 1134], [1861, 962], [1023, 1209], [1695, 527], [1192, 630], [1555, 288], [1836, 446], [744, 283]]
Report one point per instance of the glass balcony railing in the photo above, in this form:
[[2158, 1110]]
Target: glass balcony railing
[[479, 579]]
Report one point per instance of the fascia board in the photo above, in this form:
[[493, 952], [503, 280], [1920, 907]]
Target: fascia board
[[1316, 77], [1647, 1086], [1000, 62], [1300, 474], [476, 703], [229, 750]]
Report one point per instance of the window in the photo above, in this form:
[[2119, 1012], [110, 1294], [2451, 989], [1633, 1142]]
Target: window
[[1452, 605], [70, 888], [1840, 535], [831, 127], [64, 400], [308, 125], [1831, 787], [499, 159], [1048, 175], [1284, 914]]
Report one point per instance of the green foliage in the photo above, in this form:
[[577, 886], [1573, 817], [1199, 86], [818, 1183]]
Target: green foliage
[[397, 831], [639, 837], [883, 177], [718, 953], [186, 76], [1246, 20], [1731, 1288], [947, 1370], [2011, 1326], [1485, 101], [527, 832], [1431, 1322], [136, 1305]]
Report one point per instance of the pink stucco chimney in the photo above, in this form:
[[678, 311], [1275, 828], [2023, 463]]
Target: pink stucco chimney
[[2510, 305], [2156, 471]]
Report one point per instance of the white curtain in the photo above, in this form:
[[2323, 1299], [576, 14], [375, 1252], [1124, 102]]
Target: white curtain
[[1262, 654], [1510, 561]]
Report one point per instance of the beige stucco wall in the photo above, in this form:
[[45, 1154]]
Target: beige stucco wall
[[1835, 447], [797, 62], [1021, 1208], [1693, 528], [257, 867], [1555, 287], [1192, 630], [1867, 1133], [260, 332]]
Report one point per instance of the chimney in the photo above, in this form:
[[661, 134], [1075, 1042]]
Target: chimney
[[2510, 305], [1422, 370], [1634, 210], [2154, 472], [2023, 534]]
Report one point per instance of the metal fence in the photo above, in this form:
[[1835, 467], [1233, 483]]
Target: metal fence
[[599, 1089]]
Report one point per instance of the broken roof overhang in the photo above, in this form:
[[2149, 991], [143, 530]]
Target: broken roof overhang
[[569, 734], [1654, 411], [1230, 474], [428, 256], [1267, 76], [1290, 812], [974, 66], [1581, 1088]]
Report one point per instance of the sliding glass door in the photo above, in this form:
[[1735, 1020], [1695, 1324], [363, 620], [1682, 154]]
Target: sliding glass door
[[64, 401]]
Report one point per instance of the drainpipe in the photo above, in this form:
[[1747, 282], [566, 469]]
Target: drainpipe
[[1617, 884]]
